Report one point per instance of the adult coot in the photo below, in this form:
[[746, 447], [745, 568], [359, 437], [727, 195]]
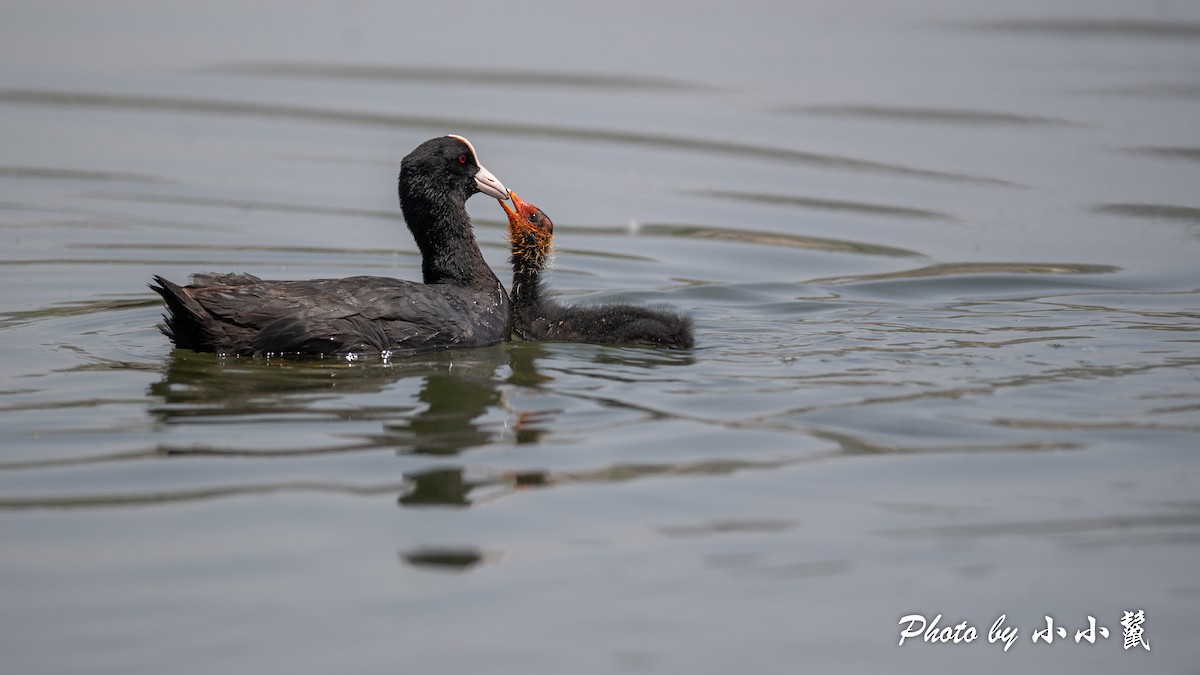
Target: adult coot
[[461, 303], [536, 317]]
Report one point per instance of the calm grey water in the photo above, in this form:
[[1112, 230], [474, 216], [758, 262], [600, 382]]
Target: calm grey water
[[942, 259]]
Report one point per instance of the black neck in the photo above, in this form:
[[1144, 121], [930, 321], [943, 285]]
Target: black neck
[[527, 283], [442, 229]]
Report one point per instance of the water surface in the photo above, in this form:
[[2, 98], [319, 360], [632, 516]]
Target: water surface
[[942, 260]]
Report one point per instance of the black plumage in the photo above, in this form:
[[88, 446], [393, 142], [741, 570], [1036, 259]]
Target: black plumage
[[538, 317], [460, 304]]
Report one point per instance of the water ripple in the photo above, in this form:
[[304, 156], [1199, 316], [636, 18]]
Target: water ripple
[[75, 308], [247, 205], [973, 268], [939, 116], [126, 499], [1062, 526], [440, 76], [760, 238], [440, 124], [1166, 152], [1162, 90], [714, 527], [1187, 214], [823, 204], [47, 173], [1096, 28]]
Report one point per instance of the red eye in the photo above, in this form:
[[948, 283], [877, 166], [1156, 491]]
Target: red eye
[[462, 159]]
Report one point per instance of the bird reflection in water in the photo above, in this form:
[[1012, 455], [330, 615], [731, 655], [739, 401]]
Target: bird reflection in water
[[451, 486], [460, 403], [448, 558]]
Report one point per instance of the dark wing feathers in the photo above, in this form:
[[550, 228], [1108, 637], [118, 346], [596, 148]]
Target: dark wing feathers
[[242, 314]]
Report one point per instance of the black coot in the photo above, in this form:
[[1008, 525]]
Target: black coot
[[461, 303], [536, 317]]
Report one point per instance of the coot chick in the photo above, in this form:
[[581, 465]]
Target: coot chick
[[535, 317], [461, 303]]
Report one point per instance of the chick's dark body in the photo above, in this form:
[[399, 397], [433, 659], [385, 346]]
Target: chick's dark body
[[538, 316]]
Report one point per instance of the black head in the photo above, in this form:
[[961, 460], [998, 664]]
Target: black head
[[436, 179], [446, 168]]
